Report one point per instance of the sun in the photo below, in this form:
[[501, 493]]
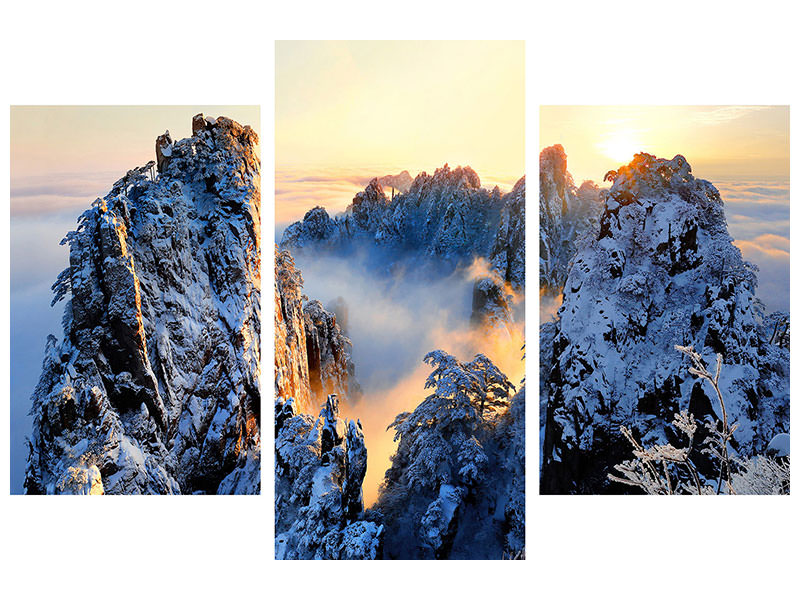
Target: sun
[[620, 146]]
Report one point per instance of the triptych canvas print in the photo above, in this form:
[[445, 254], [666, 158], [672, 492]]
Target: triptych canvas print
[[396, 356]]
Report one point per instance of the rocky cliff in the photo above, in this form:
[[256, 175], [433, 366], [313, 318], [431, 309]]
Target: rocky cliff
[[155, 386], [320, 465], [312, 354], [568, 218], [661, 270], [320, 462]]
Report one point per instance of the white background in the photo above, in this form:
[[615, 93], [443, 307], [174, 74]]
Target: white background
[[144, 52]]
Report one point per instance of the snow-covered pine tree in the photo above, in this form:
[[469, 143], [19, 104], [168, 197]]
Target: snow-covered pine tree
[[451, 469]]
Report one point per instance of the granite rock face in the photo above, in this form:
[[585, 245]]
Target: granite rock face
[[319, 468], [320, 465], [312, 354], [568, 218], [291, 354], [154, 388], [330, 365], [320, 462], [661, 270]]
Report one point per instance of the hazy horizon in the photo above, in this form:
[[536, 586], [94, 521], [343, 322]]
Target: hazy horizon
[[356, 110], [742, 150], [297, 190]]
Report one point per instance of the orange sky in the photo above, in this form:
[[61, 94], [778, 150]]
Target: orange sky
[[718, 141]]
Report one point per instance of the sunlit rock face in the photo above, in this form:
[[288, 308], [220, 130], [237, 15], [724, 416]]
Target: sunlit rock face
[[568, 218], [330, 364], [446, 215], [320, 465], [661, 270], [444, 221], [154, 388], [320, 462], [313, 357], [291, 354]]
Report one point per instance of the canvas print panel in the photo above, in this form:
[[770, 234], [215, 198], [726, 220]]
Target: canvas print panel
[[399, 300], [150, 378], [664, 286]]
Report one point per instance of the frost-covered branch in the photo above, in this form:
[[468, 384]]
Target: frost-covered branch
[[649, 470]]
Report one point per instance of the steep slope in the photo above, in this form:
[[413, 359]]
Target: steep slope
[[320, 463], [312, 354], [662, 270], [568, 218], [155, 387]]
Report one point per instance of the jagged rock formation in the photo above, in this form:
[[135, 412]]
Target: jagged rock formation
[[568, 218], [447, 215], [491, 304], [507, 254], [330, 366], [155, 387], [662, 270], [319, 468], [320, 462], [401, 182], [291, 358], [312, 355]]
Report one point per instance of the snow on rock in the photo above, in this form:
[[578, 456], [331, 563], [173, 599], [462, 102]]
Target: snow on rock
[[312, 356], [568, 217], [507, 254], [491, 305], [157, 377], [661, 270], [456, 487], [291, 357], [81, 480], [446, 214], [320, 462], [779, 446], [330, 365], [319, 468]]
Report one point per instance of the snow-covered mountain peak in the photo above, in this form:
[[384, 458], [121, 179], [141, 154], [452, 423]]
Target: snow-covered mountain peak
[[158, 371], [661, 270]]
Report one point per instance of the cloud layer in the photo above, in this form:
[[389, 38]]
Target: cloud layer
[[394, 319], [758, 220]]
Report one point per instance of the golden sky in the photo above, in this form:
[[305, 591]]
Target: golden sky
[[63, 157], [81, 139], [401, 105], [718, 141]]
